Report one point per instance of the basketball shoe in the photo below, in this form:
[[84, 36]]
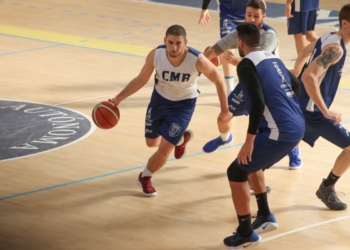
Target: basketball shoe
[[263, 224], [294, 159], [214, 144], [181, 149], [146, 184], [236, 241], [329, 197]]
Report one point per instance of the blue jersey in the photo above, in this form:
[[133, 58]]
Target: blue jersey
[[305, 5], [329, 82], [233, 9], [282, 118]]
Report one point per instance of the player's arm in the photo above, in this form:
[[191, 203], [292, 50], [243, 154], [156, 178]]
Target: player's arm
[[302, 58], [226, 43], [330, 55], [248, 77], [204, 17], [208, 69], [288, 9], [269, 41], [138, 82]]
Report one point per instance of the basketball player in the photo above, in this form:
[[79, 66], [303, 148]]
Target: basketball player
[[320, 78], [276, 125], [255, 13], [173, 99], [302, 15], [232, 13]]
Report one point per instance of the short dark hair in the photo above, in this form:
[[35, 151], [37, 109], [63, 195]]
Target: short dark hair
[[176, 30], [257, 4], [249, 33], [344, 13]]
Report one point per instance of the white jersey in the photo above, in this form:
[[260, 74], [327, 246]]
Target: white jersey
[[176, 83]]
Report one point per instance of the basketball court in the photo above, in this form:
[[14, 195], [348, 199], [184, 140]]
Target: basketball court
[[66, 184]]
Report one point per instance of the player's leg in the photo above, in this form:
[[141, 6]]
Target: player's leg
[[265, 154], [244, 236], [226, 26], [297, 28], [340, 137], [237, 107], [310, 34]]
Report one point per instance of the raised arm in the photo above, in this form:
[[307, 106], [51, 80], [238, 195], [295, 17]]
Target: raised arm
[[138, 82], [330, 55]]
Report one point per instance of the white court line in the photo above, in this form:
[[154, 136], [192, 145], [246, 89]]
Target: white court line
[[304, 228]]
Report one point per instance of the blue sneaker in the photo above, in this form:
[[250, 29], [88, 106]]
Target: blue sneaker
[[264, 224], [294, 159], [236, 241], [213, 145]]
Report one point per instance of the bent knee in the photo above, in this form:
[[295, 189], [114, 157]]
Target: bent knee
[[151, 143], [236, 174]]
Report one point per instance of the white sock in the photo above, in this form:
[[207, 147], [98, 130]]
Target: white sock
[[181, 141], [225, 136], [229, 80], [146, 172]]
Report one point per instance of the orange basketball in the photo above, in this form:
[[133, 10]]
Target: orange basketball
[[105, 115], [217, 61]]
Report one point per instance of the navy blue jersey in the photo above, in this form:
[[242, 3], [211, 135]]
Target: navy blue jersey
[[329, 82], [282, 118], [233, 9], [305, 5]]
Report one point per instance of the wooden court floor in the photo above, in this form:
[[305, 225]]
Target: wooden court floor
[[74, 54]]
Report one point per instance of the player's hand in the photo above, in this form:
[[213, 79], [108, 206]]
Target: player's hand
[[245, 154], [288, 11], [225, 116], [229, 56], [115, 101], [332, 115], [204, 17]]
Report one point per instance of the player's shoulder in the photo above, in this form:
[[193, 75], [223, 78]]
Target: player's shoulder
[[267, 28], [193, 51]]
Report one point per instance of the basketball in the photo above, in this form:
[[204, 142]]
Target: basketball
[[217, 61], [105, 115]]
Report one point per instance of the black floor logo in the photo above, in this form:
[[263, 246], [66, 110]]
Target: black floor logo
[[30, 128]]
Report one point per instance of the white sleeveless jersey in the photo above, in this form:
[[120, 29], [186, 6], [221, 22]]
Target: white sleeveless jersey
[[176, 83]]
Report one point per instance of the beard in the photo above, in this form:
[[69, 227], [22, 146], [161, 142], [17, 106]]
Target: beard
[[173, 54], [241, 52]]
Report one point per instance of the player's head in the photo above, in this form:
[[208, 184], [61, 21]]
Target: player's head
[[344, 17], [248, 38], [255, 12], [175, 40]]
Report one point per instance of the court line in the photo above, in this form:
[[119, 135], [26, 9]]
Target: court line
[[102, 176], [33, 49], [112, 173], [304, 228]]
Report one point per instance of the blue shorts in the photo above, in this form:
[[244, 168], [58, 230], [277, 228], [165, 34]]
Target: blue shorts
[[317, 125], [236, 103], [168, 119], [227, 26], [266, 153], [302, 22]]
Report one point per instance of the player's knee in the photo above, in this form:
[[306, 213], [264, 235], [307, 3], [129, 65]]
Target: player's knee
[[236, 174], [152, 142]]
